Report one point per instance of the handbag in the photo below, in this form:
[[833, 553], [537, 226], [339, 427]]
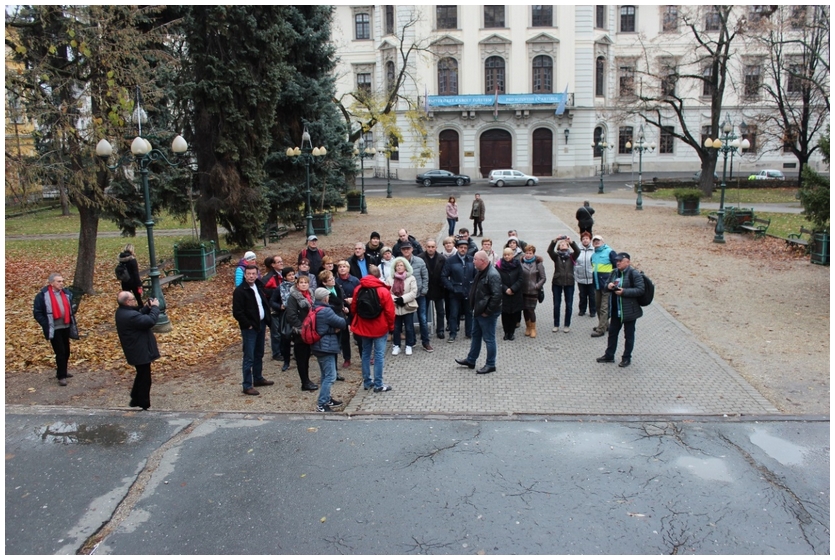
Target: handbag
[[541, 295], [285, 328]]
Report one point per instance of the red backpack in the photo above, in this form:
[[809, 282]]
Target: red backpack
[[309, 334]]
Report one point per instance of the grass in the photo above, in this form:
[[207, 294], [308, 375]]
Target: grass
[[738, 196], [52, 222], [781, 224]]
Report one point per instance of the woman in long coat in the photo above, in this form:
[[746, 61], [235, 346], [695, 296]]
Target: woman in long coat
[[134, 285], [511, 273], [297, 307], [533, 278]]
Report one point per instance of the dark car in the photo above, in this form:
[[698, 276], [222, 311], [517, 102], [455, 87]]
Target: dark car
[[441, 177]]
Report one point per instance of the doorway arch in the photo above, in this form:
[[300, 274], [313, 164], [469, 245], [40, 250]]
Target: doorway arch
[[448, 151], [543, 152], [495, 151]]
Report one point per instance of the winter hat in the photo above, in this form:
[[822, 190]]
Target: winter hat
[[249, 256], [321, 294], [386, 250], [375, 234]]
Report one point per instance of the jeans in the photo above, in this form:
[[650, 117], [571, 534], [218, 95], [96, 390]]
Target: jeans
[[327, 366], [557, 292], [458, 303], [378, 347], [601, 299], [451, 223], [439, 317], [399, 320], [61, 345], [275, 336], [587, 297], [628, 333], [253, 348], [484, 327], [424, 327]]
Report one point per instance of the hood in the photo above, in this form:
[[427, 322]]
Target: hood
[[409, 270], [602, 248], [369, 281], [125, 257]]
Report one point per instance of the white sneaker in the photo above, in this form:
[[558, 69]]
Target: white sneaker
[[555, 329], [566, 329], [408, 350], [395, 351]]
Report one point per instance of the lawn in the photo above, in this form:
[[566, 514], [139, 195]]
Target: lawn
[[743, 197], [51, 221]]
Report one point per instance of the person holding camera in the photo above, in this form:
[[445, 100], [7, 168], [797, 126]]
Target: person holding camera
[[133, 325], [562, 284], [625, 285], [404, 292]]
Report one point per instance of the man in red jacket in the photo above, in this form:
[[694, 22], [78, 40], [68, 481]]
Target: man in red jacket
[[373, 331]]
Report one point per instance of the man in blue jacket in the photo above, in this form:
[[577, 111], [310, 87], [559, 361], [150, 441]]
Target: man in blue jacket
[[603, 263], [326, 349], [457, 276], [626, 285], [53, 311]]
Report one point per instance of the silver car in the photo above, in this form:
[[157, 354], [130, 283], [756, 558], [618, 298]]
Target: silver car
[[502, 177]]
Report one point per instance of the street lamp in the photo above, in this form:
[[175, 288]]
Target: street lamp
[[729, 145], [305, 154], [603, 146], [143, 154], [363, 153], [641, 146], [390, 149]]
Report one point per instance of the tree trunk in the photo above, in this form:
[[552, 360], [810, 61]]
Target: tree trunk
[[86, 261], [64, 199]]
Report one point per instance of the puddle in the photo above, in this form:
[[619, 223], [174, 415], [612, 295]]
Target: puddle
[[708, 469], [72, 433], [781, 450]]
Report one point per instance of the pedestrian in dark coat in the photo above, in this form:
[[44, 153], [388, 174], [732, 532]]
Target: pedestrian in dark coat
[[133, 325], [562, 284], [53, 311], [510, 271], [533, 278], [625, 286], [328, 325], [584, 219], [297, 306], [436, 294], [251, 310], [134, 285]]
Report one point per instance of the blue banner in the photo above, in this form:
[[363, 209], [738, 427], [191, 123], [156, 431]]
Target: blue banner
[[488, 100]]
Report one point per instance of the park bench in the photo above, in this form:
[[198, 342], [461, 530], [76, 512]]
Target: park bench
[[275, 233], [222, 257], [754, 227], [169, 276], [712, 217], [796, 239]]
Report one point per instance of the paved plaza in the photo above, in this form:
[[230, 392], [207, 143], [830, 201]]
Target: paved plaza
[[556, 373]]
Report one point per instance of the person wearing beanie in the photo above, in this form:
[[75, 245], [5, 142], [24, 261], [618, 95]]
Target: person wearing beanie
[[326, 349], [374, 248], [386, 263], [248, 259]]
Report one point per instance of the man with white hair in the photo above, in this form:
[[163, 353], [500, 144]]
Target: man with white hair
[[53, 311]]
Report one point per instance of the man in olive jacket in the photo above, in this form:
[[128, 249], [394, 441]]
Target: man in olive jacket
[[486, 303], [134, 324], [625, 285]]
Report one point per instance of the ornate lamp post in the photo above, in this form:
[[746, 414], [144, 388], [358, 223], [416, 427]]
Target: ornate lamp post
[[305, 154], [389, 150], [640, 146], [143, 154], [728, 145], [362, 152], [603, 146]]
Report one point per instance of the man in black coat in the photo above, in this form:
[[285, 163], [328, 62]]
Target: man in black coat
[[251, 309], [486, 301], [436, 293], [134, 324], [584, 219], [625, 285]]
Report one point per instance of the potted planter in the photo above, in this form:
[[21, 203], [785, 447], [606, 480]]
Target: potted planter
[[322, 223], [688, 201], [735, 217], [354, 200], [195, 259]]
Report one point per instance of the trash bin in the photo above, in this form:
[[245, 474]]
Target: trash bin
[[820, 248]]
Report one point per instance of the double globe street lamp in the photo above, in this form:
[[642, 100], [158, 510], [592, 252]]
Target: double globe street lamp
[[305, 154], [602, 145], [390, 149], [362, 152], [640, 146], [727, 145]]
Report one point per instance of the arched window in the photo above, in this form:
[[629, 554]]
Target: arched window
[[494, 74], [598, 134], [543, 74], [600, 77], [390, 76], [447, 76]]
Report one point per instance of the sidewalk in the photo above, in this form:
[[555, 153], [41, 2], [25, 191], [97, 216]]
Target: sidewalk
[[556, 373]]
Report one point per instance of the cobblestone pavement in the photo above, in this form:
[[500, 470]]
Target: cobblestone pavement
[[556, 373]]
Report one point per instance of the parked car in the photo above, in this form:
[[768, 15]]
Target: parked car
[[442, 177], [502, 177], [698, 175], [773, 174]]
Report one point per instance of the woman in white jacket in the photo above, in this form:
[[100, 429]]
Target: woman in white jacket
[[404, 291], [584, 275]]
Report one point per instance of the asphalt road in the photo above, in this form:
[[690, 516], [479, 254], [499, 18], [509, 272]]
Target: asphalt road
[[111, 482]]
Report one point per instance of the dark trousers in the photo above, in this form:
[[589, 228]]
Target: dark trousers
[[584, 229], [275, 336], [140, 393], [302, 353], [628, 333], [587, 298], [61, 345], [439, 316], [477, 227], [286, 343], [458, 305], [510, 320]]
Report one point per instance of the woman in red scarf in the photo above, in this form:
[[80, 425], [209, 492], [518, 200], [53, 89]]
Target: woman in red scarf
[[298, 305], [404, 292], [53, 312]]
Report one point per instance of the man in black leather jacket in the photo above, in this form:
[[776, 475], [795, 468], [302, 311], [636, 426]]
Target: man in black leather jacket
[[486, 303]]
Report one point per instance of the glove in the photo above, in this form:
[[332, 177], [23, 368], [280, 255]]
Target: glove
[[139, 289], [399, 301]]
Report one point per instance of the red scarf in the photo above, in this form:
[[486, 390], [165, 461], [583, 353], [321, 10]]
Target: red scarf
[[307, 296], [56, 310]]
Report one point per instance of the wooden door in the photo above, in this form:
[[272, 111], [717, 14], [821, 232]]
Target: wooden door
[[448, 158], [495, 151], [543, 153]]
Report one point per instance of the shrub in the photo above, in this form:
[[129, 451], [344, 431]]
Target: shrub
[[687, 194]]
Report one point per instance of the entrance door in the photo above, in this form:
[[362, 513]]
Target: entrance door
[[448, 157], [495, 151], [543, 150]]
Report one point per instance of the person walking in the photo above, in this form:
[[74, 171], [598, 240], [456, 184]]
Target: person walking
[[625, 286], [133, 325], [584, 217], [510, 271], [298, 305], [533, 278], [477, 215], [564, 252], [457, 276], [134, 284], [53, 311], [584, 275], [250, 308], [404, 293], [451, 215], [326, 349], [373, 327], [602, 262], [486, 302]]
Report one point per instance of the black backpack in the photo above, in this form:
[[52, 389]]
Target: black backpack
[[649, 291], [122, 273], [368, 303]]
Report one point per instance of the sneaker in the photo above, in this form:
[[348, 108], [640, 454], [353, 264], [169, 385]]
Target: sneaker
[[383, 389], [428, 347], [408, 350], [396, 350], [334, 402], [555, 329], [451, 339], [323, 408], [566, 329]]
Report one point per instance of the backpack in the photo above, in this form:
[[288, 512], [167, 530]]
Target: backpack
[[309, 333], [122, 273], [649, 291], [368, 303]]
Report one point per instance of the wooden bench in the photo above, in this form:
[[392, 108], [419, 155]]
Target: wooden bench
[[757, 230], [275, 233], [796, 239], [712, 217], [222, 257], [171, 276]]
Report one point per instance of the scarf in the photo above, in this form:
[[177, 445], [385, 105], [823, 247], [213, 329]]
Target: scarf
[[56, 311], [530, 260], [307, 296], [399, 284], [564, 254], [448, 254]]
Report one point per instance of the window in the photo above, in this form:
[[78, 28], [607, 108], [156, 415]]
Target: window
[[707, 84], [713, 20], [447, 17], [493, 16], [390, 76], [447, 76], [751, 136], [627, 19], [364, 83], [542, 16], [666, 140], [600, 17], [362, 23], [626, 80], [758, 13], [669, 77], [600, 77], [669, 19], [543, 74], [794, 81], [798, 17], [494, 75], [598, 134], [753, 80], [394, 155], [368, 137], [389, 20], [624, 135], [706, 134]]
